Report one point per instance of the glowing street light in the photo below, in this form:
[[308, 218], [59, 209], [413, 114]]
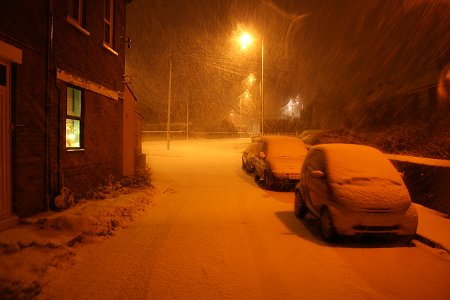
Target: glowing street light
[[246, 40], [250, 80]]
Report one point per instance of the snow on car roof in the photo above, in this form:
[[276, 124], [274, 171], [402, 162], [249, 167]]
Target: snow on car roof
[[279, 145], [349, 161]]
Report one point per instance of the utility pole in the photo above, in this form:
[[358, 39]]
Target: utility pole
[[187, 116], [262, 87], [168, 102]]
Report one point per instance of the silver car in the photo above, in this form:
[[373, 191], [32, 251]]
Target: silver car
[[352, 190], [278, 161]]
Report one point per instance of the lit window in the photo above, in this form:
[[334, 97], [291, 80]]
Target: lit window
[[75, 12], [74, 119], [108, 21]]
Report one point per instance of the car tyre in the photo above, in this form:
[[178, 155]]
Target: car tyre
[[244, 166], [256, 178], [405, 239], [327, 229], [300, 208], [268, 181], [248, 168]]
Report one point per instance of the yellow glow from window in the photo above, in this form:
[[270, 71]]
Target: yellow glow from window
[[72, 133]]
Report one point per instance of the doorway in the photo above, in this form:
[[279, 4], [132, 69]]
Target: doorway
[[5, 141]]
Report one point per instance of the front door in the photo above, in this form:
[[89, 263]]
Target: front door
[[5, 141]]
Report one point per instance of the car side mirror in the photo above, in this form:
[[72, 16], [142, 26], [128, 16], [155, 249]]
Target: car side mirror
[[262, 155], [317, 174]]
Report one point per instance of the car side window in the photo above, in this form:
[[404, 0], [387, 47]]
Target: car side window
[[305, 164], [316, 161], [262, 147], [259, 148]]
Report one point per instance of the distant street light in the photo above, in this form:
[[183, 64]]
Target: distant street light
[[245, 40], [246, 96], [250, 80]]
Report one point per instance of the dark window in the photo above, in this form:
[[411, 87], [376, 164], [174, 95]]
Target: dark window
[[108, 21], [3, 75], [76, 12]]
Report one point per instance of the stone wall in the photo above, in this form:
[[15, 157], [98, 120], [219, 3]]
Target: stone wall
[[429, 185]]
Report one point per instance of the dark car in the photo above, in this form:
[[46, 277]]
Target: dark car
[[354, 190], [278, 161], [248, 158]]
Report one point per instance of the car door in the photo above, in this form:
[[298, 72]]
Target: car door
[[316, 186]]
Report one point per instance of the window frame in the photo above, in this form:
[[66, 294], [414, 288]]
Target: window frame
[[80, 21], [80, 118], [108, 22]]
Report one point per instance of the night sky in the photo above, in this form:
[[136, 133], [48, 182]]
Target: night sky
[[343, 54]]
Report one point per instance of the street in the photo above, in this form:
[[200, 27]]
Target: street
[[212, 233]]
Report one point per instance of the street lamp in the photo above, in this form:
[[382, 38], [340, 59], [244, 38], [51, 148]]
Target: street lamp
[[245, 40]]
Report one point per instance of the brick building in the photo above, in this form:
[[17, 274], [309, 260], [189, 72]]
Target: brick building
[[62, 99]]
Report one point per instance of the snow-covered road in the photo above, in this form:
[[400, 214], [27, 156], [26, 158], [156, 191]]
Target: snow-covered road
[[212, 233]]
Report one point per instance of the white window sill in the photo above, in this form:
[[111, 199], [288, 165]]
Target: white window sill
[[77, 26], [75, 149], [107, 47]]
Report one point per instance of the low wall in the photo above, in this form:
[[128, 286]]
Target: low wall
[[428, 180], [181, 135]]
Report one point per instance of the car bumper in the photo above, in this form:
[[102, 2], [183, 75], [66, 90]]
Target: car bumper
[[291, 178], [348, 222]]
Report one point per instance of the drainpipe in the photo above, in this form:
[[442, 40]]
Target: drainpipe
[[49, 58]]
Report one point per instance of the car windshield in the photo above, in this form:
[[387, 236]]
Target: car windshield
[[289, 147], [347, 164]]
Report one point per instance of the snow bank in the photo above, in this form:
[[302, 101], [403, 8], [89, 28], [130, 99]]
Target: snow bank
[[46, 241]]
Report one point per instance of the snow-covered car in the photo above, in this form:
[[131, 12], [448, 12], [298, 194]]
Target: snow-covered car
[[248, 158], [308, 136], [354, 190], [278, 161]]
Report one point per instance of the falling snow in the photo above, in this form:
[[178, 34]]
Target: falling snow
[[211, 232]]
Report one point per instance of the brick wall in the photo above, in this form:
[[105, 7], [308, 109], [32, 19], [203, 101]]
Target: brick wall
[[28, 147], [102, 153], [427, 184], [84, 55], [23, 24]]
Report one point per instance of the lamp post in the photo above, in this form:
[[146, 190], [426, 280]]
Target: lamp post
[[169, 99], [262, 87], [245, 40]]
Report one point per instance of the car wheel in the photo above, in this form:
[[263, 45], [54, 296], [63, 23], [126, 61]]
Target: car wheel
[[405, 239], [248, 168], [244, 165], [257, 178], [268, 180], [300, 208], [251, 169], [327, 229]]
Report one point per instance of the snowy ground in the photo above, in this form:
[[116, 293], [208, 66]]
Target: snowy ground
[[209, 233], [47, 242]]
